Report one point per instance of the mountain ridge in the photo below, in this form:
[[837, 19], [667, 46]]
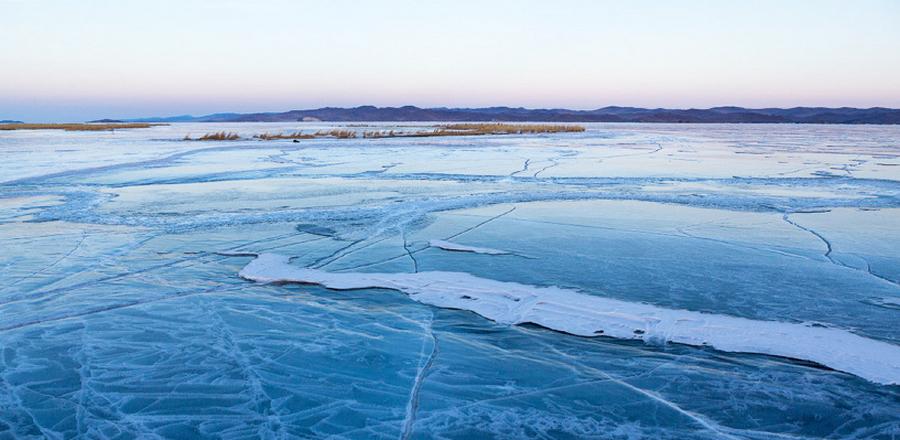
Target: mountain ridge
[[723, 114]]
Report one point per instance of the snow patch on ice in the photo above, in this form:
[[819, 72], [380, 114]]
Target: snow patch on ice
[[456, 247], [581, 314]]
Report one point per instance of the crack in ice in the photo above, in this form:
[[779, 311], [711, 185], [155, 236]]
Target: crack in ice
[[412, 405], [829, 249]]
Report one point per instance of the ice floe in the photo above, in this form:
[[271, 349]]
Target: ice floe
[[581, 314], [456, 247]]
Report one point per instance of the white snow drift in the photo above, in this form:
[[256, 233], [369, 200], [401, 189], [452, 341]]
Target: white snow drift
[[581, 314], [456, 247]]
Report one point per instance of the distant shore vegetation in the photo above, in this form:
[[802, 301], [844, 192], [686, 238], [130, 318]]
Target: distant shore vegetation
[[77, 126], [467, 129], [215, 136], [339, 134], [478, 130]]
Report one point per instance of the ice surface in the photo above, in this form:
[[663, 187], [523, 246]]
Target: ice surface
[[122, 315]]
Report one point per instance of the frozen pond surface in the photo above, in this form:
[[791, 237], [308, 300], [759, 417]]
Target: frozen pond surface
[[122, 313]]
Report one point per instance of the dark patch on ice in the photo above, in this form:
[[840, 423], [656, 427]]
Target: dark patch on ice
[[236, 254]]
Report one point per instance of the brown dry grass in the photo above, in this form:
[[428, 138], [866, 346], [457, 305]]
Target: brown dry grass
[[340, 134], [294, 135], [383, 134], [378, 134], [467, 129], [229, 136], [216, 136], [477, 130], [502, 128], [77, 126]]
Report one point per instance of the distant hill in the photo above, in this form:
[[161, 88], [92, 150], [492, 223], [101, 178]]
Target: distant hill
[[10, 121], [812, 115]]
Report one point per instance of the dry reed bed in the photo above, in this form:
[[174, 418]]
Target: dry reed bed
[[231, 136], [502, 128], [477, 130], [340, 134], [294, 135], [77, 126], [468, 129], [216, 136]]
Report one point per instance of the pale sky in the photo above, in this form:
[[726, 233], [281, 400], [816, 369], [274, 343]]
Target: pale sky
[[79, 60]]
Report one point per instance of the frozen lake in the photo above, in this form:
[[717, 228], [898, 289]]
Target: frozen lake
[[629, 281]]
